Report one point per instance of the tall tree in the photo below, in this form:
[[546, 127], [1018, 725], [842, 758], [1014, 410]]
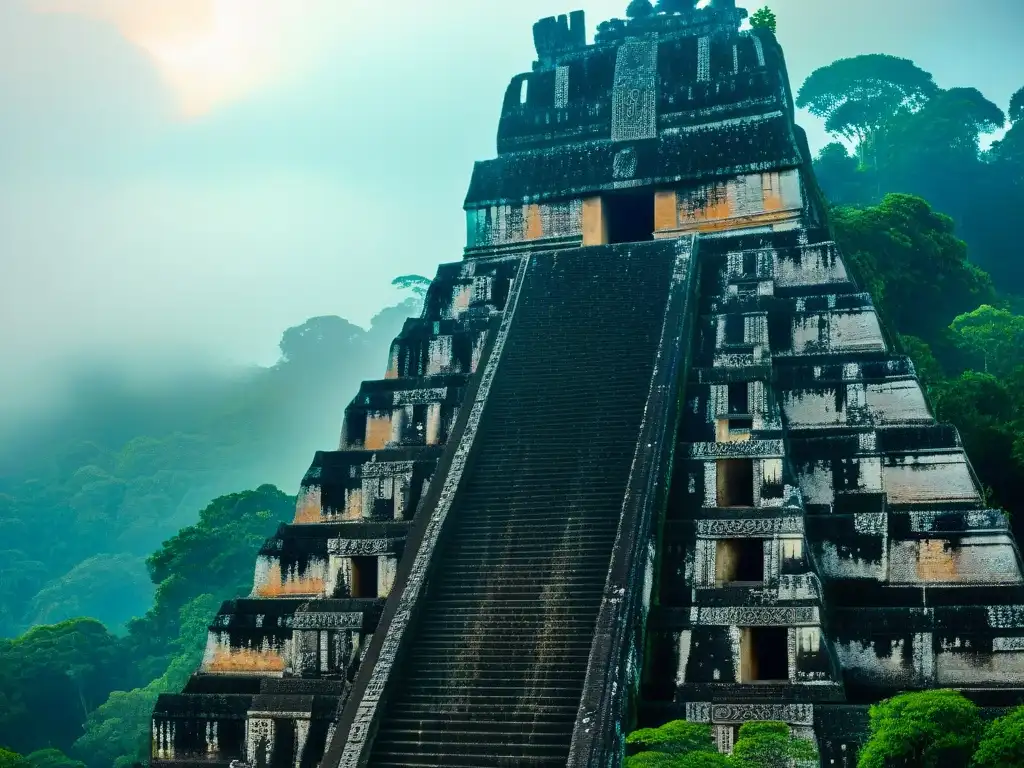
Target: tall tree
[[312, 341], [858, 96], [945, 130], [418, 284], [992, 338]]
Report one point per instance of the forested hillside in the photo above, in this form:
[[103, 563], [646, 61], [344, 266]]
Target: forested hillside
[[89, 491], [89, 494], [925, 215]]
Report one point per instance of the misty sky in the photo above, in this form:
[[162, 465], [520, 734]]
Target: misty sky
[[180, 180]]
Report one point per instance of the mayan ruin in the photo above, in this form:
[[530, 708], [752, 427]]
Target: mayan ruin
[[648, 454]]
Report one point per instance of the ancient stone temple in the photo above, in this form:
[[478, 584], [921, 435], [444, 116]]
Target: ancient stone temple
[[647, 454]]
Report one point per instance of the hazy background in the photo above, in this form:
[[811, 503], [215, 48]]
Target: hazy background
[[183, 179]]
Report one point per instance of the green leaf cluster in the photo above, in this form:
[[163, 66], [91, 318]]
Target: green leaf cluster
[[764, 18], [931, 729], [941, 729], [681, 744]]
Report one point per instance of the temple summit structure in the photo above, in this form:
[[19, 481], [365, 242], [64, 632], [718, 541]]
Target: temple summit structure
[[647, 454]]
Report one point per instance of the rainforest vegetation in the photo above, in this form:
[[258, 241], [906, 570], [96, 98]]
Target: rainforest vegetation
[[123, 522]]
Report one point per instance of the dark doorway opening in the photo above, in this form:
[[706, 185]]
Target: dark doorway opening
[[364, 577], [764, 654], [735, 482], [629, 217], [739, 560], [739, 398]]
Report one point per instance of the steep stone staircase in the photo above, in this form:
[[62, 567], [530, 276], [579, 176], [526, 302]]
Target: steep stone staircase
[[494, 672]]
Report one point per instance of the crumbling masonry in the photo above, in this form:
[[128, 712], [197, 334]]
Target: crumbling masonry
[[647, 454]]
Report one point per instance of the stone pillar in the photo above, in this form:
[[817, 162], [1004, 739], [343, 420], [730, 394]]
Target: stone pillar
[[387, 569], [259, 741], [595, 228]]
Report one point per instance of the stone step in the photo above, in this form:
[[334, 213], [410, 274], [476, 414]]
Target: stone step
[[434, 710], [404, 759], [499, 649], [464, 723]]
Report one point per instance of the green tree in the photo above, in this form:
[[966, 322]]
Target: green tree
[[51, 758], [858, 96], [770, 744], [840, 175], [930, 729], [764, 18], [419, 284], [117, 733], [984, 411], [52, 677], [309, 343], [675, 737], [676, 744], [10, 759], [994, 338], [639, 9], [104, 587], [1002, 744], [940, 137], [688, 760], [1016, 111], [214, 556], [912, 263], [929, 370]]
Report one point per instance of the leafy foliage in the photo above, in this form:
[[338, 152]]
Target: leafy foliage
[[10, 759], [930, 729], [769, 744], [51, 677], [418, 284], [967, 347], [213, 557], [1002, 744], [912, 262], [675, 737], [859, 95], [986, 411], [638, 9], [681, 744], [1017, 106], [52, 758], [992, 337], [687, 760], [764, 18]]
